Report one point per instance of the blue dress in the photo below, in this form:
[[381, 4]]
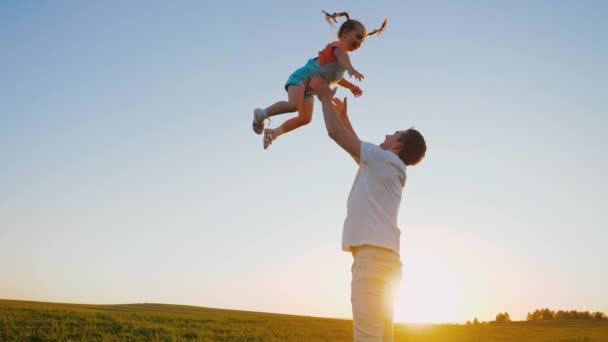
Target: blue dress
[[330, 71]]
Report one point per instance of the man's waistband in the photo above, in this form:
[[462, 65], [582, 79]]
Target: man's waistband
[[357, 249]]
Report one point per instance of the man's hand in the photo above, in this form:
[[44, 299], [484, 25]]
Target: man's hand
[[319, 86], [340, 106], [356, 90]]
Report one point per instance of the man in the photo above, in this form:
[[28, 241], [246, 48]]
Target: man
[[370, 229]]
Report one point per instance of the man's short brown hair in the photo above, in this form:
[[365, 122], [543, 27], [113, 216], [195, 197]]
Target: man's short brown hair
[[414, 147]]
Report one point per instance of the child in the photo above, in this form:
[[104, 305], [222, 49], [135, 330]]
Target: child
[[330, 64]]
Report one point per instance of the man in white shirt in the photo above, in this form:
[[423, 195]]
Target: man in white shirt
[[370, 229]]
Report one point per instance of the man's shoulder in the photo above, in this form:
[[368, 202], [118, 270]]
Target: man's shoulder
[[370, 146], [373, 154], [376, 150]]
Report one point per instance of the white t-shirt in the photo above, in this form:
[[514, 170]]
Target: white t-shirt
[[373, 203]]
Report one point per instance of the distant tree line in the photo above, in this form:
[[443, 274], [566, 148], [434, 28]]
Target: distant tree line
[[545, 315], [501, 318]]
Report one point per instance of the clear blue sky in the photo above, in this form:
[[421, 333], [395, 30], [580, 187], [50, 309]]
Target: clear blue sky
[[130, 172]]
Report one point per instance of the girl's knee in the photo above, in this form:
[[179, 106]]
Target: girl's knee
[[305, 120], [293, 107]]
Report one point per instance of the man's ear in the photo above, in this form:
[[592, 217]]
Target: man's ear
[[398, 147]]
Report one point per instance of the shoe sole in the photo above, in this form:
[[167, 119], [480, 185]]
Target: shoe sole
[[258, 128]]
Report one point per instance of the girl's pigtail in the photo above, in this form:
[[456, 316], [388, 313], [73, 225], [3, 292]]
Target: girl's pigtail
[[333, 16], [380, 30]]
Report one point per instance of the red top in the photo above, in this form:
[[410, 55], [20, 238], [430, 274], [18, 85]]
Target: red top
[[328, 55]]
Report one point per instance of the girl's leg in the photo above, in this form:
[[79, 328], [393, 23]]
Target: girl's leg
[[295, 97], [304, 117]]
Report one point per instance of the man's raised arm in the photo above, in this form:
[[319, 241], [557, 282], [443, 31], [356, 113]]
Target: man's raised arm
[[341, 107], [345, 138]]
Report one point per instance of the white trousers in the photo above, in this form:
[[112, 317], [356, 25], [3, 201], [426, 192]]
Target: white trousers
[[376, 274]]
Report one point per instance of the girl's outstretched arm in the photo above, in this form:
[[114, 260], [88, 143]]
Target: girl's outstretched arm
[[353, 88], [344, 61]]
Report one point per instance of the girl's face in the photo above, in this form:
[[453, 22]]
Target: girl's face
[[354, 38]]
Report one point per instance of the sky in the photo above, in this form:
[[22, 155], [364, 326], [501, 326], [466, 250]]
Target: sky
[[130, 172]]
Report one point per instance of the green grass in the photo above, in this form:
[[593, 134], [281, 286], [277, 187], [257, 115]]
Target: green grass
[[36, 321]]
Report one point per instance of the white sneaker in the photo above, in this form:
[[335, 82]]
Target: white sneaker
[[258, 121]]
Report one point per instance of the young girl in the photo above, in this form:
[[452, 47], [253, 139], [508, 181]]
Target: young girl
[[330, 64]]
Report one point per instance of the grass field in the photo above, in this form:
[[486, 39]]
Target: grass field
[[37, 321]]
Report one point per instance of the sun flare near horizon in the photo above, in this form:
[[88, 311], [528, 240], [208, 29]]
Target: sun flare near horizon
[[430, 293], [441, 282]]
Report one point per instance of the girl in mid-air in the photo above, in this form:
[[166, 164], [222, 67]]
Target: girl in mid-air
[[330, 64]]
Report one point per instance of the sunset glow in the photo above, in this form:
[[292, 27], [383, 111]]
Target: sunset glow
[[129, 172]]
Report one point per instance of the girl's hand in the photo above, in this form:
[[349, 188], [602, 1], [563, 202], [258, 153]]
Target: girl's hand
[[354, 73], [356, 91]]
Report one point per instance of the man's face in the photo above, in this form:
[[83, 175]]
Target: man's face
[[391, 141]]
